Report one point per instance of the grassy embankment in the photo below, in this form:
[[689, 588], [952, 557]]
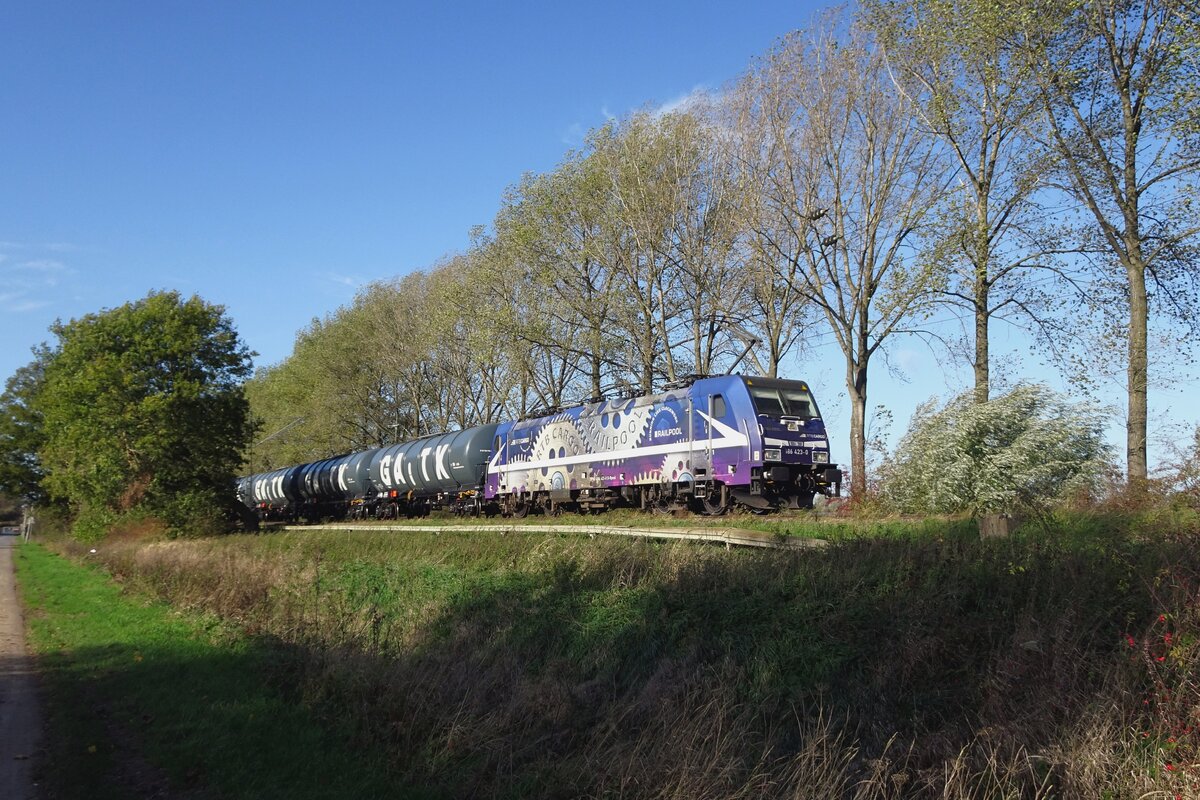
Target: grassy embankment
[[917, 661]]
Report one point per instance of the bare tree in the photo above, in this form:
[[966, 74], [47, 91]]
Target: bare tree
[[1110, 74], [970, 86], [760, 114], [851, 180]]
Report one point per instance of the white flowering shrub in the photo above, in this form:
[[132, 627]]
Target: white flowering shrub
[[1029, 447], [1183, 474]]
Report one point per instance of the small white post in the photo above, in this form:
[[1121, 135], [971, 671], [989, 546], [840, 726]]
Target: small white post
[[27, 521]]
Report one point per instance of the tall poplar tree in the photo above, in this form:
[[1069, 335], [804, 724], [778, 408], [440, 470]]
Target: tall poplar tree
[[972, 88], [1110, 75], [849, 179]]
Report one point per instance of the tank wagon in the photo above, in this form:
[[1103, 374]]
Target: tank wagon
[[707, 445]]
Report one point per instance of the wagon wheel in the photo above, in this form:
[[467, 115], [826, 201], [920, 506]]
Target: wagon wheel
[[519, 509]]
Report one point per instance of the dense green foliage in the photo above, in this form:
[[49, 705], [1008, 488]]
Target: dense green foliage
[[140, 699], [1026, 448], [141, 407], [21, 432], [1057, 663]]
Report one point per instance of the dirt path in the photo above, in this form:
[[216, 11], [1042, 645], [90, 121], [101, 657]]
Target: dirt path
[[20, 723]]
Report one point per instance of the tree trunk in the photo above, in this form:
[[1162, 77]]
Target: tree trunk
[[982, 367], [595, 359], [1135, 427], [856, 386]]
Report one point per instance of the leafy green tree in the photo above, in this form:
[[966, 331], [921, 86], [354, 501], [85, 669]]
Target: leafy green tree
[[1025, 448], [22, 432], [558, 251], [143, 408], [334, 393]]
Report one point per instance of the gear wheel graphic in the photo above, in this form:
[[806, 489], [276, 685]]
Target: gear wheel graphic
[[557, 439], [616, 425], [677, 467]]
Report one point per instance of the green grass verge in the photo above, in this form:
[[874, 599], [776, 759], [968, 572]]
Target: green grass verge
[[138, 695]]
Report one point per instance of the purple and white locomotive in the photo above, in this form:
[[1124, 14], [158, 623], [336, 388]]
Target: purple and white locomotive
[[708, 445]]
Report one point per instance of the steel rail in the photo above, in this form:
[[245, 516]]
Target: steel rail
[[730, 537]]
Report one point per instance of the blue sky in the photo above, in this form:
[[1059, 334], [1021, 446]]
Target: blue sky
[[272, 157]]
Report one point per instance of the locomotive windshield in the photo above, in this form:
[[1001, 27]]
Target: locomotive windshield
[[783, 401]]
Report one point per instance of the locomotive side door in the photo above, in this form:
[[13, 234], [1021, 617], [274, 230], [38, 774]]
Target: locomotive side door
[[704, 480], [709, 426]]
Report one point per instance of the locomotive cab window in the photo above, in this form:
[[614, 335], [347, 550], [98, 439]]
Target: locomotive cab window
[[718, 406], [783, 402]]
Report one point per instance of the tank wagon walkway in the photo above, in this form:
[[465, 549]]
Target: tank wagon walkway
[[20, 723]]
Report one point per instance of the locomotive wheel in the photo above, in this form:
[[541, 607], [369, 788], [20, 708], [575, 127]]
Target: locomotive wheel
[[662, 503], [519, 509], [711, 505]]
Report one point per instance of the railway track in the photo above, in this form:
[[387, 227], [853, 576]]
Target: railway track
[[730, 537]]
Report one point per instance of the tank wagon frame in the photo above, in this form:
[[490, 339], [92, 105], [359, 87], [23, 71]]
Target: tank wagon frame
[[708, 445]]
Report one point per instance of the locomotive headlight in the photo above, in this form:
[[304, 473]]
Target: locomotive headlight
[[773, 455], [820, 457]]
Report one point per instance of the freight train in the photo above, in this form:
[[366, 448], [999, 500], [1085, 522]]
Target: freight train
[[707, 444]]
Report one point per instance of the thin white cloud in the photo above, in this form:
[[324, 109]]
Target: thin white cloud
[[573, 136], [32, 280], [345, 280], [41, 265], [48, 247], [21, 306], [19, 301], [698, 95]]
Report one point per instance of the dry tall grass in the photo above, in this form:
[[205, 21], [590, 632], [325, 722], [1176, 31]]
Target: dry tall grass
[[1059, 663]]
